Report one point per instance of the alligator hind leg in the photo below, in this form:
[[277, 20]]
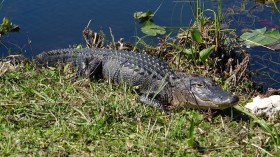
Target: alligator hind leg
[[153, 102]]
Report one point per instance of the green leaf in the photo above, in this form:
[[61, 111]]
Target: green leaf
[[190, 53], [190, 140], [204, 54], [5, 21], [260, 37], [196, 36], [142, 15], [152, 29]]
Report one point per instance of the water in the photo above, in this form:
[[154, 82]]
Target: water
[[56, 24], [264, 62]]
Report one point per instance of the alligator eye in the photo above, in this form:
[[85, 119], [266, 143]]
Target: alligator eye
[[199, 85]]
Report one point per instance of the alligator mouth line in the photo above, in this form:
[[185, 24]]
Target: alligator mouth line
[[207, 103]]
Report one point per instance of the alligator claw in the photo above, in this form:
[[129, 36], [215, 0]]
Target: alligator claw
[[154, 103]]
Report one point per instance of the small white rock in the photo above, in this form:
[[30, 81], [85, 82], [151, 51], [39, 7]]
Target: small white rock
[[265, 106]]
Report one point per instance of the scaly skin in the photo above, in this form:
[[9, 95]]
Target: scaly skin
[[158, 84]]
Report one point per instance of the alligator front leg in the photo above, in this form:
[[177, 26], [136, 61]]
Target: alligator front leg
[[94, 68], [88, 67], [153, 102]]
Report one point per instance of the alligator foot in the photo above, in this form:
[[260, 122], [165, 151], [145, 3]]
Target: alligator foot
[[154, 103]]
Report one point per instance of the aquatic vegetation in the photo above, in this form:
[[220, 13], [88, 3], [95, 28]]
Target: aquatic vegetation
[[261, 37], [148, 27], [7, 26]]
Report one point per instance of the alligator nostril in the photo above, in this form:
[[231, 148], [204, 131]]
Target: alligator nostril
[[233, 99]]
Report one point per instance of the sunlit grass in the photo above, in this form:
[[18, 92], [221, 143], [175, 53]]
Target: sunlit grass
[[47, 112]]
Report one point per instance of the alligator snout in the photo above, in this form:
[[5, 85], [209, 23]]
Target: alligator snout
[[210, 95], [232, 100], [227, 101]]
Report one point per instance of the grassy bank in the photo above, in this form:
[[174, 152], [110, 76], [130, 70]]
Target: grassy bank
[[47, 112]]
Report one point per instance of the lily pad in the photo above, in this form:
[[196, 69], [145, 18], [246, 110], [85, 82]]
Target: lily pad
[[152, 29], [143, 15], [261, 37]]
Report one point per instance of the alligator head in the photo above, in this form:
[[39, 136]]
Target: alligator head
[[202, 93]]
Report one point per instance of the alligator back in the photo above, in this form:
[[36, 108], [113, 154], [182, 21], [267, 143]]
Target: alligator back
[[136, 69]]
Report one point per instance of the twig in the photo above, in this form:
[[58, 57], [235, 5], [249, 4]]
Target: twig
[[86, 33], [261, 149]]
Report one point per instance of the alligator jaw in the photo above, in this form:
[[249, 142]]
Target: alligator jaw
[[202, 93], [218, 103]]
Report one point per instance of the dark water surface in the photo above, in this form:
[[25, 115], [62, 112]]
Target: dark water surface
[[57, 24]]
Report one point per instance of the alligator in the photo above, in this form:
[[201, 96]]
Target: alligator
[[156, 82]]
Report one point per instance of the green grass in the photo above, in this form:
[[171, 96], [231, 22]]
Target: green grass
[[47, 112]]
